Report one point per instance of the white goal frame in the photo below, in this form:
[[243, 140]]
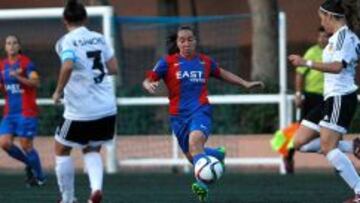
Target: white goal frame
[[111, 158]]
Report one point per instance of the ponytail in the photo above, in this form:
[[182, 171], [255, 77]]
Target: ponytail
[[171, 45], [352, 15]]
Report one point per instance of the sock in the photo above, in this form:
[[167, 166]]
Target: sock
[[312, 146], [196, 157], [95, 169], [214, 152], [345, 168], [34, 162], [345, 146], [16, 153], [65, 176]]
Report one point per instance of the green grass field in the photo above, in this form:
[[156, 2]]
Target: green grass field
[[175, 188]]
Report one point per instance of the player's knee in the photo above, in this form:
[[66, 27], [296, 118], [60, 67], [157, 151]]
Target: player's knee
[[5, 143]]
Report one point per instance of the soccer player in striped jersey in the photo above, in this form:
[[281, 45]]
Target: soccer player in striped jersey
[[186, 73], [89, 100], [18, 81], [333, 118]]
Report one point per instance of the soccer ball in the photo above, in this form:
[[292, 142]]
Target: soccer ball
[[208, 169]]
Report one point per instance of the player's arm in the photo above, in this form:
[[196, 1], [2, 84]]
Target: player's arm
[[333, 67], [151, 81], [236, 80], [65, 73], [112, 66], [32, 80]]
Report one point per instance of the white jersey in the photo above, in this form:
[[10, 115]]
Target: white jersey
[[89, 93], [344, 47]]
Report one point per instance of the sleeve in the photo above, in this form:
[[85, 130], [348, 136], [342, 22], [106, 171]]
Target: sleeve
[[66, 50], [159, 70], [345, 51], [31, 71], [108, 51], [214, 68]]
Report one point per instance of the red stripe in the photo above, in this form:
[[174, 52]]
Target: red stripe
[[152, 76], [173, 83], [203, 99], [29, 107]]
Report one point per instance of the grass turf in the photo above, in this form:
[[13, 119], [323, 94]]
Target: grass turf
[[175, 188]]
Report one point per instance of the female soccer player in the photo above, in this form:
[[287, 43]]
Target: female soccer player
[[89, 100], [340, 59], [186, 73], [19, 81]]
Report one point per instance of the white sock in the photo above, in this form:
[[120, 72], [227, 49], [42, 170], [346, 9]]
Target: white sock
[[345, 168], [345, 146], [312, 146], [64, 169], [95, 169]]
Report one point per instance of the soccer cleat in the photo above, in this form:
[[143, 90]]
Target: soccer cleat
[[201, 191], [356, 147], [35, 182], [289, 165], [29, 174], [95, 197], [355, 199]]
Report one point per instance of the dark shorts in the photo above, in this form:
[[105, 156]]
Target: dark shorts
[[86, 133], [182, 127], [334, 113], [310, 102]]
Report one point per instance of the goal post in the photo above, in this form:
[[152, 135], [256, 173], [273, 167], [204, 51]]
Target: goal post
[[105, 13]]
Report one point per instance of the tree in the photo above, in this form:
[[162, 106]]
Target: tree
[[265, 39]]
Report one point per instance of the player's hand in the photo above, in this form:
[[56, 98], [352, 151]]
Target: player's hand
[[296, 60], [15, 73], [150, 86], [56, 97], [255, 84]]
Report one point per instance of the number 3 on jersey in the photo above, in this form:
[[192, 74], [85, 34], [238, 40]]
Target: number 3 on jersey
[[97, 65]]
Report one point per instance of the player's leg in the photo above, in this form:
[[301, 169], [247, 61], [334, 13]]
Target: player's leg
[[67, 136], [65, 172], [6, 143], [196, 149], [7, 131], [339, 111], [34, 162], [95, 170], [98, 132], [27, 130], [338, 159]]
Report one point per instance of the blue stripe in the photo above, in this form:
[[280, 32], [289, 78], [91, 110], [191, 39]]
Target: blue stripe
[[68, 55]]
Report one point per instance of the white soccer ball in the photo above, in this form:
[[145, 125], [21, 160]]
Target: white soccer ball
[[208, 169]]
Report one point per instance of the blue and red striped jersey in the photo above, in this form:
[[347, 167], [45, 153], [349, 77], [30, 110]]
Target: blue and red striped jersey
[[186, 81], [19, 98]]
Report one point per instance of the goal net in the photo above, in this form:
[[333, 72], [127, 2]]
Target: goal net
[[144, 135]]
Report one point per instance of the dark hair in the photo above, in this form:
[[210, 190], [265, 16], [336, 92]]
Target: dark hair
[[352, 15], [171, 45], [348, 9], [74, 12], [333, 7]]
